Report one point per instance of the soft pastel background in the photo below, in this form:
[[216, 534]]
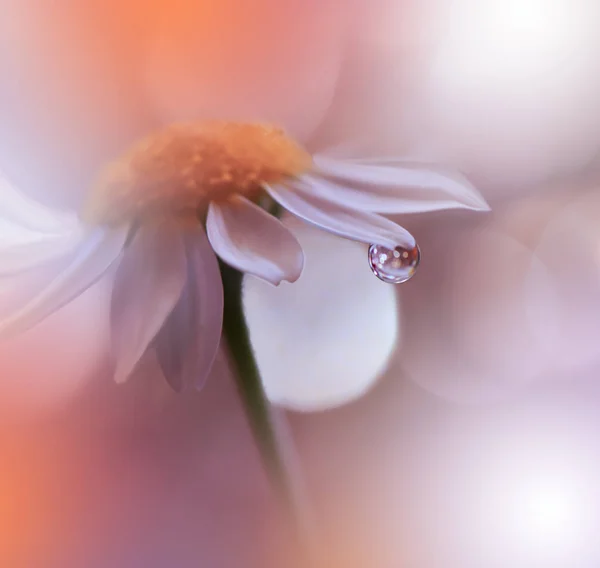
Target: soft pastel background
[[478, 446]]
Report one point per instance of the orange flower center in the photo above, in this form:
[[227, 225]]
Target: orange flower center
[[176, 172]]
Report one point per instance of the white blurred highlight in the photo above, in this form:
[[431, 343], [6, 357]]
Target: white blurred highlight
[[514, 90], [538, 501], [515, 38], [546, 508], [508, 92], [324, 340], [510, 485]]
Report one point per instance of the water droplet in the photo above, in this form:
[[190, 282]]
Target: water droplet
[[394, 265]]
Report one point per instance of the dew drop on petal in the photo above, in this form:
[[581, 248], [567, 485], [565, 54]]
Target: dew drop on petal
[[394, 265]]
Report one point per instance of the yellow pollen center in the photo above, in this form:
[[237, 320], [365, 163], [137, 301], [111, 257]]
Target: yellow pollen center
[[179, 170]]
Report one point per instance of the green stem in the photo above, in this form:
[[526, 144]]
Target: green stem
[[249, 383], [275, 445]]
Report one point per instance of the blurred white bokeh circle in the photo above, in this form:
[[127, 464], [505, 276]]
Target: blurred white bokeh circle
[[324, 340]]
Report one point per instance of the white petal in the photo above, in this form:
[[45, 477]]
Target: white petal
[[18, 209], [325, 340], [392, 186], [32, 234], [94, 255], [147, 287], [357, 225], [21, 256], [187, 344], [251, 240]]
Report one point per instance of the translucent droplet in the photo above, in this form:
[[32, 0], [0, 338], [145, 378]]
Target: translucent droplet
[[394, 265]]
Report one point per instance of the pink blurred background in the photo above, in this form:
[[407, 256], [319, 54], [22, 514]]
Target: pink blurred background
[[478, 446]]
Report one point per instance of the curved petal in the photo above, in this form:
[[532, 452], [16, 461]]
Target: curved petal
[[22, 256], [340, 220], [94, 255], [253, 241], [18, 209], [147, 287], [392, 186], [32, 234], [187, 344]]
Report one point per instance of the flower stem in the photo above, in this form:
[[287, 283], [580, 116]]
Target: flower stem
[[269, 429]]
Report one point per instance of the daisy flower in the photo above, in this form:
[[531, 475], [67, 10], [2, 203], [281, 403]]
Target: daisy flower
[[161, 211]]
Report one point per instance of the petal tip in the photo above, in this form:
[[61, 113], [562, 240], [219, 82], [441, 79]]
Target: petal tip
[[294, 275], [473, 199], [475, 202], [120, 378], [295, 278], [200, 381], [122, 371], [479, 203], [274, 280]]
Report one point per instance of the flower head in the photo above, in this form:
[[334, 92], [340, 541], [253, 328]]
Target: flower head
[[219, 170], [147, 211], [182, 168]]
